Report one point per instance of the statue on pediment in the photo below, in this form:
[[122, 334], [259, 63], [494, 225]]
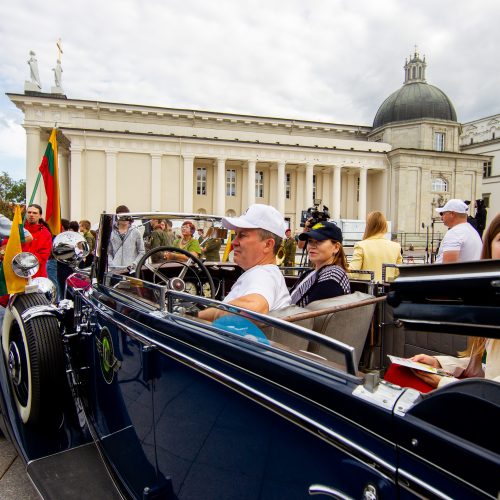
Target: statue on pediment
[[34, 83], [57, 78]]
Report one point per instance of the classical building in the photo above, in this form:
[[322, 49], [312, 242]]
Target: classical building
[[483, 137], [426, 165], [154, 158]]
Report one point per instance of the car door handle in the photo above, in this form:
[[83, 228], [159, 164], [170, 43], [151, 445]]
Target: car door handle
[[321, 489], [369, 493]]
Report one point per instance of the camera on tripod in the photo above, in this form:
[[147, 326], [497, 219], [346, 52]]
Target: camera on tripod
[[313, 215]]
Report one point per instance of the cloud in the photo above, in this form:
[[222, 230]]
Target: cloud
[[330, 60], [12, 147]]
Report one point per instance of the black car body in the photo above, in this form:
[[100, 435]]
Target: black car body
[[148, 401]]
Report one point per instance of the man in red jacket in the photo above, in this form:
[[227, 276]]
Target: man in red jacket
[[41, 246]]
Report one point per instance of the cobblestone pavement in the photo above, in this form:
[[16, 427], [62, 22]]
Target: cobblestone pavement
[[14, 482]]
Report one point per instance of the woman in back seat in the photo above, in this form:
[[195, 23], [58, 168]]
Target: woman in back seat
[[328, 278]]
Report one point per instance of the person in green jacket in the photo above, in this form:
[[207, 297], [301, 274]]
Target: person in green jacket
[[157, 238], [290, 247], [84, 229], [211, 246], [186, 242]]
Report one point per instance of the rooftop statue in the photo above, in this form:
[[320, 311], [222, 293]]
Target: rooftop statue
[[34, 83], [57, 78]]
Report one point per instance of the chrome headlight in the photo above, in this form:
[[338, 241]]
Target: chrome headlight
[[25, 265], [70, 248], [46, 287]]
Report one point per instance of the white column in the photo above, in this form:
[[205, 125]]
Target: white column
[[251, 182], [281, 187], [384, 198], [64, 182], [220, 208], [76, 183], [155, 182], [33, 159], [187, 198], [351, 194], [309, 186], [110, 182], [325, 184], [336, 191], [363, 171]]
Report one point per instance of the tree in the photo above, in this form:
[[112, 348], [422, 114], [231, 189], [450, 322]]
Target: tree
[[11, 190]]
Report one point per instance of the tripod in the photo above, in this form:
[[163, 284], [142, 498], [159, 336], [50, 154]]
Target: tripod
[[304, 258]]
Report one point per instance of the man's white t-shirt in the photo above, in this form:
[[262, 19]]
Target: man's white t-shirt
[[464, 238], [265, 280]]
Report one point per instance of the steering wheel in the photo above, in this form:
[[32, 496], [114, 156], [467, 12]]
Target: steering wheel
[[177, 283]]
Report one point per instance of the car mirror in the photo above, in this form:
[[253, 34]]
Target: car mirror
[[70, 248], [25, 265]]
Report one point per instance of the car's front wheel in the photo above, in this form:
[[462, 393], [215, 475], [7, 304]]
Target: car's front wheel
[[35, 361]]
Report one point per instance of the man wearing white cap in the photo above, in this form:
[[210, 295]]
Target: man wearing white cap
[[461, 242], [258, 235]]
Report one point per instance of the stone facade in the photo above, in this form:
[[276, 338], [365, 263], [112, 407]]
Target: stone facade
[[182, 160], [482, 136], [152, 159], [415, 164]]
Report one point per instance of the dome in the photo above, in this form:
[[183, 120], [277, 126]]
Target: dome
[[416, 99]]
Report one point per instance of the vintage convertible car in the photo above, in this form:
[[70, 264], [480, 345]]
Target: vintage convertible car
[[120, 391]]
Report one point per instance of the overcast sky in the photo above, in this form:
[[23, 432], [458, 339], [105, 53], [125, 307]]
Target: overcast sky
[[330, 60]]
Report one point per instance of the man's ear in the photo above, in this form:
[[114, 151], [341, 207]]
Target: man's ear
[[269, 244]]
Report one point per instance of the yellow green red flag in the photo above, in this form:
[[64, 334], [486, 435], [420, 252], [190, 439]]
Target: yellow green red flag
[[50, 173], [10, 282]]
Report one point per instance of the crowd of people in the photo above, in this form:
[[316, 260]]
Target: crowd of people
[[128, 244], [259, 235], [38, 241]]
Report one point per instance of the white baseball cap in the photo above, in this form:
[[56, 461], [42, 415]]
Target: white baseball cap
[[454, 205], [258, 216]]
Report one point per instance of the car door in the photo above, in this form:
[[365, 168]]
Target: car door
[[449, 444], [237, 420]]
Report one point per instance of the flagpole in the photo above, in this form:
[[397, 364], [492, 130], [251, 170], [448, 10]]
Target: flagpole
[[35, 188], [32, 194]]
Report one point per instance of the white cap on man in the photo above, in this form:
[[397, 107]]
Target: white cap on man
[[258, 216], [454, 205]]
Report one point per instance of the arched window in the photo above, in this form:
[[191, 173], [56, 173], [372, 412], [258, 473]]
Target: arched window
[[439, 185], [230, 213]]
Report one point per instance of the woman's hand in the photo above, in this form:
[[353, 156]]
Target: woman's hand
[[428, 378], [426, 360]]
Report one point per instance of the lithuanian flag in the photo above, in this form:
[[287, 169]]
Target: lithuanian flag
[[10, 282], [50, 173]]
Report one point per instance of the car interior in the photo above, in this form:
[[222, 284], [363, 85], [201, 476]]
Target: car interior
[[363, 320]]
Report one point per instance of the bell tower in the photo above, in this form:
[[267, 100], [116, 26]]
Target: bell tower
[[415, 68]]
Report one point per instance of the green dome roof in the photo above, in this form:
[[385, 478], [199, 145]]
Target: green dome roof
[[415, 100]]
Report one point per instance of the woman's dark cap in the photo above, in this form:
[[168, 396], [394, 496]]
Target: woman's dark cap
[[323, 231]]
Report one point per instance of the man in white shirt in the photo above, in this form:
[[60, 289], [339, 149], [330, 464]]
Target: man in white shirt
[[461, 242], [258, 236]]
